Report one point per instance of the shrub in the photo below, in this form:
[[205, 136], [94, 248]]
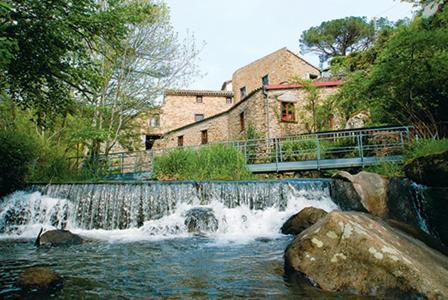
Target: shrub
[[299, 150], [386, 168], [16, 152], [424, 147], [215, 162]]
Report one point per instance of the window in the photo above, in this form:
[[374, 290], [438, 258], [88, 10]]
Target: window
[[180, 141], [243, 92], [288, 112], [198, 117], [199, 99], [311, 76], [229, 100], [265, 80], [204, 137], [242, 121], [154, 121]]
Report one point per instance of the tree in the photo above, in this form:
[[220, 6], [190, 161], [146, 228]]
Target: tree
[[54, 42], [338, 37], [150, 59]]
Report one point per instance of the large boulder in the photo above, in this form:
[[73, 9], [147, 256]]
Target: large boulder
[[371, 189], [40, 280], [200, 220], [302, 220], [357, 120], [431, 170], [357, 253], [57, 238]]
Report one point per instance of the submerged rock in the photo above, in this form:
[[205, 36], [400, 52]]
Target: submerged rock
[[201, 219], [430, 170], [302, 220], [57, 238], [371, 189], [353, 252], [40, 280]]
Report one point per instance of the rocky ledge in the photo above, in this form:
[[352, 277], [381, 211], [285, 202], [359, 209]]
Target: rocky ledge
[[353, 252]]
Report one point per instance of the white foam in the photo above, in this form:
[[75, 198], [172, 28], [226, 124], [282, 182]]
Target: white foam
[[236, 225]]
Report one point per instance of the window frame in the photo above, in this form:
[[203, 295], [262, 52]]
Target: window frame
[[242, 121], [229, 100], [243, 92], [287, 112], [180, 141], [196, 116], [265, 80], [199, 99], [154, 120], [204, 137]]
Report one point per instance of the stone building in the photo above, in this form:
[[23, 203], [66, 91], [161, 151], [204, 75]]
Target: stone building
[[259, 96], [272, 111]]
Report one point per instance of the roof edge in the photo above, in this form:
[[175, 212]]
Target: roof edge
[[298, 86]]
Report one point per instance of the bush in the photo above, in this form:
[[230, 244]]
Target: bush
[[16, 152], [424, 147], [299, 150], [215, 162], [386, 168]]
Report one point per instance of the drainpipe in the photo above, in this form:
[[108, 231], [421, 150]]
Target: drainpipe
[[266, 109]]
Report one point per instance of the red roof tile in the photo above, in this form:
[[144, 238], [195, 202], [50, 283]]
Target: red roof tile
[[296, 86]]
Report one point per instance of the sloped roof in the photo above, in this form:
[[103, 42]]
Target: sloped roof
[[298, 86], [198, 93]]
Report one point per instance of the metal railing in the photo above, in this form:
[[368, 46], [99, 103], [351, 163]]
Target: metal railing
[[322, 148]]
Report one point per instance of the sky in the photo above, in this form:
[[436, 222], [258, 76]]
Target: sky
[[237, 32]]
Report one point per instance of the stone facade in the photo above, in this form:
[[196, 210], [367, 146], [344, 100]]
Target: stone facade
[[261, 109], [279, 67], [227, 115]]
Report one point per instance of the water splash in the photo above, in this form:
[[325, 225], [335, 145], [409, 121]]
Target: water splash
[[125, 212]]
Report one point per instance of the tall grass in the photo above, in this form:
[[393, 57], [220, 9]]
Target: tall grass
[[423, 147], [214, 162], [415, 149]]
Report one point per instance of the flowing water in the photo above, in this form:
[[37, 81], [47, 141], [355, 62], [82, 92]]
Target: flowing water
[[140, 247]]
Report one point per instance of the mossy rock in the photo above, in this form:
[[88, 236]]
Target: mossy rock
[[430, 170]]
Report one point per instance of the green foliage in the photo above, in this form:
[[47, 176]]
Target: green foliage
[[214, 162], [16, 152], [338, 37], [299, 150], [402, 78], [385, 168], [422, 147], [55, 43]]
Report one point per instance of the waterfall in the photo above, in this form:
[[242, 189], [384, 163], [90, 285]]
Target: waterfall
[[156, 209]]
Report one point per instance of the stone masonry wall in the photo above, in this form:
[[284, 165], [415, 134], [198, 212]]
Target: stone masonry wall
[[280, 66], [227, 126], [178, 111]]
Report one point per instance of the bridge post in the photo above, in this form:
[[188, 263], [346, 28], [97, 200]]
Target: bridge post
[[361, 149], [276, 154], [318, 151]]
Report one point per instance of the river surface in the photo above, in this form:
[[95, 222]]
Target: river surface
[[139, 247]]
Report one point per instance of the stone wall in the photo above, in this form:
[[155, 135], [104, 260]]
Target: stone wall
[[280, 66], [217, 130], [227, 125], [278, 128], [179, 109]]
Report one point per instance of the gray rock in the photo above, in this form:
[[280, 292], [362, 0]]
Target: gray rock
[[201, 219], [353, 252], [302, 220], [58, 238]]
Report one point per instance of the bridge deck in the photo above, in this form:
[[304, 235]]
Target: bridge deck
[[307, 165]]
